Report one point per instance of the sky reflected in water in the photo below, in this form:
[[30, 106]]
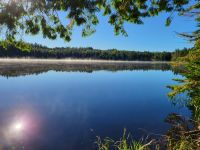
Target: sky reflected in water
[[67, 110]]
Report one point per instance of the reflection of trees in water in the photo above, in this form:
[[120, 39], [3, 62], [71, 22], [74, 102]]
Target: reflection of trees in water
[[17, 69]]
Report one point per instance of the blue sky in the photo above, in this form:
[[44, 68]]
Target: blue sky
[[152, 36]]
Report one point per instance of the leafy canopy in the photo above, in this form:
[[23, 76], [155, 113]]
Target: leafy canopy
[[19, 17]]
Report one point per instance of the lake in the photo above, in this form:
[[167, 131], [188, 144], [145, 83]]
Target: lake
[[65, 106]]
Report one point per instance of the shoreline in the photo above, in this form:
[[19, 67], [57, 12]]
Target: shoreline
[[74, 61]]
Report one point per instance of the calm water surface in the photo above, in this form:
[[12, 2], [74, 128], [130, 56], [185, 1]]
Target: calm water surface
[[67, 110]]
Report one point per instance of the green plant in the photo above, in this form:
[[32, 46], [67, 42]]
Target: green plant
[[124, 143]]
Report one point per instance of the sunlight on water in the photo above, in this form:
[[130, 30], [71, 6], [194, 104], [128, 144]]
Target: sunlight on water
[[17, 129], [18, 126]]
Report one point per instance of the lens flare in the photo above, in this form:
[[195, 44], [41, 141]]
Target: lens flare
[[18, 126]]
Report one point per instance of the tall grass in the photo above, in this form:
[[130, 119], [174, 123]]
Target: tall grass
[[166, 142], [124, 143]]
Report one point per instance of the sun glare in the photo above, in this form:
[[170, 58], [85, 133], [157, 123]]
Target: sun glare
[[18, 126]]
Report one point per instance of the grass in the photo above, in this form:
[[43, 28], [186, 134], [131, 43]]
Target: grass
[[124, 143], [182, 142]]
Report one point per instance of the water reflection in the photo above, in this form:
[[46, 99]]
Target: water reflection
[[10, 69], [68, 109]]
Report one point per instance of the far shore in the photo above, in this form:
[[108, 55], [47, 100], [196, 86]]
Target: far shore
[[71, 61]]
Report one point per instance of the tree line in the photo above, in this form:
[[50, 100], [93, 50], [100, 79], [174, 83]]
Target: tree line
[[39, 51]]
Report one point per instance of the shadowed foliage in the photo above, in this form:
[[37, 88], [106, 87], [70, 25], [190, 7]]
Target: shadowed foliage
[[19, 17]]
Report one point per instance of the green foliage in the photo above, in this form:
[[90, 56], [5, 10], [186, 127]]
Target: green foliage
[[18, 17], [184, 135], [168, 21], [6, 44], [180, 55], [191, 82], [184, 143], [124, 143]]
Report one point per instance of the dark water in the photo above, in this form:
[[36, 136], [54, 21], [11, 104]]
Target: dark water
[[66, 109]]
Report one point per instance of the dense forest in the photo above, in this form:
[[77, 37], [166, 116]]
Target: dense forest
[[39, 51]]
